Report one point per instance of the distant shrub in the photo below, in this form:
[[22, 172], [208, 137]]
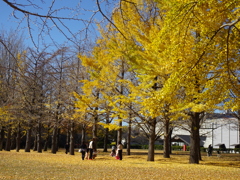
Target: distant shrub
[[178, 148], [237, 150], [159, 147], [136, 146], [144, 146]]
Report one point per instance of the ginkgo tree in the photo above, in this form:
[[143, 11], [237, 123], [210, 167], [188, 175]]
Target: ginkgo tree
[[98, 90], [192, 45], [131, 46], [203, 46], [140, 22]]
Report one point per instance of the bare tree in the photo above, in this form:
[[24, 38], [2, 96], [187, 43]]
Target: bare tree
[[11, 47], [48, 17]]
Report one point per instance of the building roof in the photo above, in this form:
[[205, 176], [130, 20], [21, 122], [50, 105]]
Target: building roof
[[218, 116], [236, 145], [186, 139], [219, 144]]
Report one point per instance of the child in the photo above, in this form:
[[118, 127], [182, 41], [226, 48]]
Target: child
[[113, 152]]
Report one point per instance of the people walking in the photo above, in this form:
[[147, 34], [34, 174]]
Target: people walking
[[66, 148], [87, 152], [91, 148], [119, 150], [210, 149], [83, 150]]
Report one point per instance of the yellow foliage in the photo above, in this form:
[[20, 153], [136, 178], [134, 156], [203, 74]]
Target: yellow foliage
[[191, 47]]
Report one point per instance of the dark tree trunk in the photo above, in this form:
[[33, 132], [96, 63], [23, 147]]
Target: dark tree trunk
[[170, 140], [83, 134], [13, 141], [18, 138], [152, 138], [28, 140], [129, 137], [39, 138], [46, 141], [71, 149], [119, 132], [115, 134], [68, 133], [1, 138], [57, 139], [45, 147], [166, 153], [194, 139], [35, 143], [105, 140], [95, 127], [9, 136], [54, 140]]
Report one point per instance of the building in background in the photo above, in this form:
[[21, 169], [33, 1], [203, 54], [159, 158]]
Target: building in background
[[217, 129]]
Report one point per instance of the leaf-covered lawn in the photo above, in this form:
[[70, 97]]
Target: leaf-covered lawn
[[45, 165]]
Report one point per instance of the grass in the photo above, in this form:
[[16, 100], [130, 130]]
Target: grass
[[33, 165]]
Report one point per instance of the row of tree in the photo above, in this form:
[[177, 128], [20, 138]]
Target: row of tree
[[36, 92]]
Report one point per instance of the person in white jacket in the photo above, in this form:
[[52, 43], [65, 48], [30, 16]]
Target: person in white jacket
[[91, 148]]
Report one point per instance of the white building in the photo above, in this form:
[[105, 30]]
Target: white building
[[217, 129]]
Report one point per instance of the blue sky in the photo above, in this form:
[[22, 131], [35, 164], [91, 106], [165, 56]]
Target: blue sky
[[79, 9]]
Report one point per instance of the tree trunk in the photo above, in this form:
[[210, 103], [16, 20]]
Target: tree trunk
[[28, 140], [170, 140], [45, 147], [119, 132], [152, 138], [39, 138], [54, 140], [105, 140], [1, 138], [39, 143], [106, 133], [166, 153], [129, 137], [18, 138], [194, 139], [57, 139], [83, 134], [68, 133], [94, 130], [13, 141], [46, 141], [71, 149], [35, 143], [8, 143]]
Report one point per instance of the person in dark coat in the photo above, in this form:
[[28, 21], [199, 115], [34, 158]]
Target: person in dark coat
[[66, 148], [113, 152], [83, 150], [210, 149]]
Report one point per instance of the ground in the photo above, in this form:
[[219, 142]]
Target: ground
[[33, 165]]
